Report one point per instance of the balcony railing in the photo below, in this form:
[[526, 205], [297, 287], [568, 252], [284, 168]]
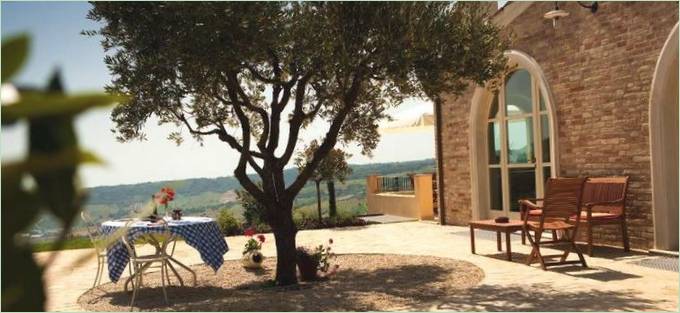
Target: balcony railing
[[395, 184]]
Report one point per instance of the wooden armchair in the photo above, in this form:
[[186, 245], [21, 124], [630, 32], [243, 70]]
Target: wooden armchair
[[532, 208], [604, 202], [562, 202]]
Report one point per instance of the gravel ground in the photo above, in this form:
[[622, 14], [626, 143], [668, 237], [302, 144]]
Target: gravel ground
[[364, 282]]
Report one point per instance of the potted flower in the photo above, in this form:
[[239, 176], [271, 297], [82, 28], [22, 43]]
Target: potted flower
[[163, 197], [252, 257], [315, 264]]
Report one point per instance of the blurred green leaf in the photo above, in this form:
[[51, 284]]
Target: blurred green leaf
[[53, 134], [50, 162], [14, 54], [22, 288], [23, 205], [35, 105]]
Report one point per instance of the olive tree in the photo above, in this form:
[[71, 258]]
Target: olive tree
[[333, 167], [256, 75]]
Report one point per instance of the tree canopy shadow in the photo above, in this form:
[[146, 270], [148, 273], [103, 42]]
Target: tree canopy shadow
[[544, 297], [441, 284]]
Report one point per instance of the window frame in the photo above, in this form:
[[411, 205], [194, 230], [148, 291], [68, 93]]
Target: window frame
[[503, 119]]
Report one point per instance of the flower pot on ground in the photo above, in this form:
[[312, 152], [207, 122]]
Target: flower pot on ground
[[315, 265], [252, 260], [307, 264], [252, 257]]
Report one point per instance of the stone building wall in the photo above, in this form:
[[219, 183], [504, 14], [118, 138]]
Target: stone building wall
[[599, 68]]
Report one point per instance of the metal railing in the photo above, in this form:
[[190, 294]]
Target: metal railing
[[395, 184]]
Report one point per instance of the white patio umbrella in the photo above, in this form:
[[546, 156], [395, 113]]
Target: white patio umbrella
[[417, 119]]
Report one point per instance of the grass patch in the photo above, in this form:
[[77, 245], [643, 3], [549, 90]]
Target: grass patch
[[69, 244]]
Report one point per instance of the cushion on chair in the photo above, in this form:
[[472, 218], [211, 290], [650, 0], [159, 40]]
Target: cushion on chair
[[550, 225], [598, 216], [535, 212]]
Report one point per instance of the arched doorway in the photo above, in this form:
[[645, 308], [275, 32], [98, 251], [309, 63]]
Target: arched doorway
[[663, 129], [512, 139]]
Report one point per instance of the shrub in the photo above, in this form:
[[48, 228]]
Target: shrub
[[253, 211], [229, 225]]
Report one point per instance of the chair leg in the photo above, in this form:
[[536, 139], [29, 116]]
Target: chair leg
[[167, 274], [163, 276], [624, 234], [96, 277], [554, 235], [101, 273], [135, 287], [580, 255], [181, 282], [531, 256], [590, 239]]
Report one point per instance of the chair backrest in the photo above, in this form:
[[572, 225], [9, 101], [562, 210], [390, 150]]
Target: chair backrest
[[93, 231], [562, 198], [160, 240], [606, 189]]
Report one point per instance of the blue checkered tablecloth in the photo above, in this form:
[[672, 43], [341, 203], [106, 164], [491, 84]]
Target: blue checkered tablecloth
[[202, 233]]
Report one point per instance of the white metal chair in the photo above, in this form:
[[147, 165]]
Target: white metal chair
[[141, 263], [99, 244]]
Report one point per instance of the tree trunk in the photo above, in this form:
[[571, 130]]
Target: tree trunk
[[284, 234], [332, 210], [318, 199]]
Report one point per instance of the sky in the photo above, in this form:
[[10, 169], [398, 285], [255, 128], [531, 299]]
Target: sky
[[56, 43]]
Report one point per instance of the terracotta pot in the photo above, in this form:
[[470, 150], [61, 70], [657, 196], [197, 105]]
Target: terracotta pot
[[252, 259], [307, 266]]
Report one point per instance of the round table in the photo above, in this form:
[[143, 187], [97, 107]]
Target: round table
[[201, 233]]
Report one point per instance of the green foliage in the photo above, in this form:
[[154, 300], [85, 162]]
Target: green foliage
[[68, 244], [212, 67], [14, 54], [229, 225], [206, 196], [253, 211], [50, 167], [333, 166]]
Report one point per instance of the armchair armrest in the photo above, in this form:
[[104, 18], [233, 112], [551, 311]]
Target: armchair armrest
[[527, 203], [592, 204]]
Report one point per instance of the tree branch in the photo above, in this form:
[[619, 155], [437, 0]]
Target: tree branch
[[331, 138], [297, 119]]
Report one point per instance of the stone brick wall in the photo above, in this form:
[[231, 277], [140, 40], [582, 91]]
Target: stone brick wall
[[599, 68]]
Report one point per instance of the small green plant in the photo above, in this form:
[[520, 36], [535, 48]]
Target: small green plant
[[315, 264], [252, 244], [228, 224]]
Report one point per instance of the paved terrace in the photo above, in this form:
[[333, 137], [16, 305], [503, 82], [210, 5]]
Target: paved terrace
[[613, 281]]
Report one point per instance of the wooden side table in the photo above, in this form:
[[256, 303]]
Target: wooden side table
[[507, 228]]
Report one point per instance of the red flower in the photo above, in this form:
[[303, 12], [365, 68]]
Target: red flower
[[249, 232], [260, 237]]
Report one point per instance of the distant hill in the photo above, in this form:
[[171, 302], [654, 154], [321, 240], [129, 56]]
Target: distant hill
[[206, 196]]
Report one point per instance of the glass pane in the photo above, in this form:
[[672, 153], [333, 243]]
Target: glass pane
[[545, 137], [518, 93], [493, 111], [546, 174], [521, 141], [494, 139], [495, 189], [522, 185], [541, 103]]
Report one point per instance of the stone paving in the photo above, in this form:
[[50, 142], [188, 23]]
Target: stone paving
[[611, 283]]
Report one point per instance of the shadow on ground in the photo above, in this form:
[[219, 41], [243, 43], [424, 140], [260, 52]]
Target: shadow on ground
[[543, 297], [375, 283], [364, 283]]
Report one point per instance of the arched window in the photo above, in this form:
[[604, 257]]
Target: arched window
[[512, 139], [518, 138]]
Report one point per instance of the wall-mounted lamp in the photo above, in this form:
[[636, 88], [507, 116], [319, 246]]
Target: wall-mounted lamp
[[556, 13]]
